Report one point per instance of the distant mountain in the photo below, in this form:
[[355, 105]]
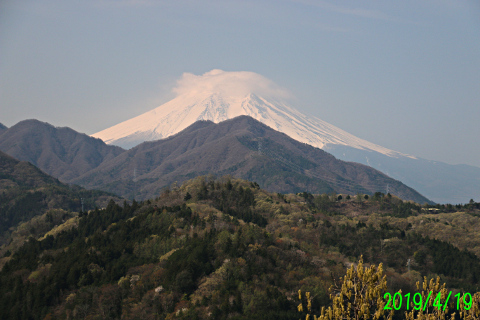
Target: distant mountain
[[60, 152], [26, 191], [218, 95], [438, 181], [244, 148]]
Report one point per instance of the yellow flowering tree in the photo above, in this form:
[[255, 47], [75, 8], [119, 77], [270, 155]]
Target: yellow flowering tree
[[428, 306], [473, 311], [359, 297]]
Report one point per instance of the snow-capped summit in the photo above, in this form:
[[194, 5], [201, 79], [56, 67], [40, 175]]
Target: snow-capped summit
[[219, 95]]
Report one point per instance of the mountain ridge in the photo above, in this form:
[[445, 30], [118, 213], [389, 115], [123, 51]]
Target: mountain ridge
[[59, 151], [245, 148], [22, 174]]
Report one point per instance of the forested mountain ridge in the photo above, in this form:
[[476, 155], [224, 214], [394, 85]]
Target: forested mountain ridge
[[226, 249], [60, 152], [244, 148], [26, 191]]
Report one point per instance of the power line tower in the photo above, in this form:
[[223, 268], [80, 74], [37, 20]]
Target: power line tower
[[134, 182], [81, 199]]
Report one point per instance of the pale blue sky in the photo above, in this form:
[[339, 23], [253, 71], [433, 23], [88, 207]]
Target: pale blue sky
[[402, 74]]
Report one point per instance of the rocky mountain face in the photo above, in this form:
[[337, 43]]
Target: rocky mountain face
[[244, 148], [60, 152]]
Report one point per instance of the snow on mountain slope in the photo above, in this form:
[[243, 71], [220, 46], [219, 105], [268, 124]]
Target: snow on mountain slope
[[217, 96]]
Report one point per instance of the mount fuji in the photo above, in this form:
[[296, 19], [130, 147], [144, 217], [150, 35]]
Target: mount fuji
[[219, 95]]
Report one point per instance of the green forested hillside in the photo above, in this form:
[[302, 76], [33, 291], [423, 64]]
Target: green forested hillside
[[225, 249], [26, 192]]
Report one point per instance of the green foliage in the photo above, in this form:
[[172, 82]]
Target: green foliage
[[22, 204]]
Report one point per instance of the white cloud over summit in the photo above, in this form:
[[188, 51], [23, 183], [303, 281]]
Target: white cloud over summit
[[233, 84]]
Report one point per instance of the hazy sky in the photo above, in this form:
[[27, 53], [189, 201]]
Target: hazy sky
[[402, 74]]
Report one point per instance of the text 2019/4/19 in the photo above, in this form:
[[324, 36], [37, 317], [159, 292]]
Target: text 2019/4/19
[[395, 302]]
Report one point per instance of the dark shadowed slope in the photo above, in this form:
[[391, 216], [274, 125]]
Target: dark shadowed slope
[[25, 192], [60, 152], [242, 147], [14, 173]]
